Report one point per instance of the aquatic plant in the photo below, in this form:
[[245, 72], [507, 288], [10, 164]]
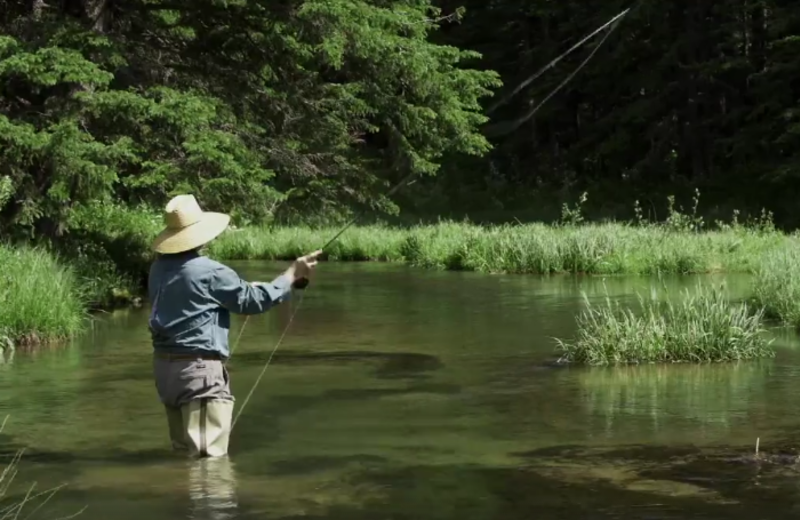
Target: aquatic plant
[[40, 297], [702, 326], [776, 286]]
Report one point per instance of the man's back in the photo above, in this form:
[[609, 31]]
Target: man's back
[[185, 317], [192, 297]]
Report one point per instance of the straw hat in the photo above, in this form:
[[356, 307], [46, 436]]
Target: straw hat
[[188, 226]]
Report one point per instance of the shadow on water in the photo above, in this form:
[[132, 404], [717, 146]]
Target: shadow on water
[[473, 492], [572, 482], [307, 465], [392, 365], [109, 456]]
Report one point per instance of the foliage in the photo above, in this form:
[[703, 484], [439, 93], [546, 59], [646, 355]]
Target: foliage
[[681, 96], [109, 248], [244, 104], [701, 327]]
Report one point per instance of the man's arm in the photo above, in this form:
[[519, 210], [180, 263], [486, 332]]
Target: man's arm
[[241, 297]]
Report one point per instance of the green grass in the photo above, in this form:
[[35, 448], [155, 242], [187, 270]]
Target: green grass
[[40, 298], [701, 326], [107, 254], [776, 286], [532, 248]]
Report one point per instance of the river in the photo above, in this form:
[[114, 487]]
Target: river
[[413, 395]]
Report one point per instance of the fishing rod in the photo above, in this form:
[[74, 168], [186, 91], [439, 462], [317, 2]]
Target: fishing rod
[[303, 283]]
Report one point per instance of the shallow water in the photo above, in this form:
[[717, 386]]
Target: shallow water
[[411, 395]]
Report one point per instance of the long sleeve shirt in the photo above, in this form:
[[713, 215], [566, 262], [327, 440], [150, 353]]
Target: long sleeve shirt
[[192, 297]]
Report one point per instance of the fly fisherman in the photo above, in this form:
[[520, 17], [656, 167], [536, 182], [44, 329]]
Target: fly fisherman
[[192, 297]]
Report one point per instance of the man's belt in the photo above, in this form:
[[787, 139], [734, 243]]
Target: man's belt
[[189, 356]]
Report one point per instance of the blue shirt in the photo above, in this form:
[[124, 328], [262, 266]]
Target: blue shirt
[[192, 297]]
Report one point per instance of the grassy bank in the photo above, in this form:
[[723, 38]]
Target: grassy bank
[[41, 298], [533, 248], [776, 286], [700, 326], [104, 259]]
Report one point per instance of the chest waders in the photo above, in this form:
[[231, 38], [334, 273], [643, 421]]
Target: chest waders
[[207, 426]]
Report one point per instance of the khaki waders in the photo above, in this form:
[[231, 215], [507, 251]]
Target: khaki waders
[[195, 391]]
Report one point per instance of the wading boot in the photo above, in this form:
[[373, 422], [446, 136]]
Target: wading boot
[[207, 426]]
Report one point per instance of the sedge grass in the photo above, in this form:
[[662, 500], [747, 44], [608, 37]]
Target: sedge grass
[[525, 249], [702, 326], [776, 286], [40, 298]]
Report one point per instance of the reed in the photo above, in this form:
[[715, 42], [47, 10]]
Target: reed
[[40, 298], [776, 286], [611, 248], [703, 325]]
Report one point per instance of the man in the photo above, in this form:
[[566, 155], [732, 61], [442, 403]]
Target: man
[[192, 297]]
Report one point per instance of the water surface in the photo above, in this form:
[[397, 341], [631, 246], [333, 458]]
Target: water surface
[[408, 394]]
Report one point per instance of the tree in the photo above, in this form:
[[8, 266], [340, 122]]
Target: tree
[[254, 106]]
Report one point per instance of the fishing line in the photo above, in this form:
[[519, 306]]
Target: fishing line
[[522, 120], [554, 62], [303, 283], [300, 284]]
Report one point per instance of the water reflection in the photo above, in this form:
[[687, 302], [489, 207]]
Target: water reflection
[[710, 398], [6, 357], [212, 489]]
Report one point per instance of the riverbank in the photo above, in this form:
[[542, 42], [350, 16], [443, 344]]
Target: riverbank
[[94, 270], [524, 249]]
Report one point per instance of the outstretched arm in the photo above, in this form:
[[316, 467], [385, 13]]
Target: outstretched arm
[[241, 297]]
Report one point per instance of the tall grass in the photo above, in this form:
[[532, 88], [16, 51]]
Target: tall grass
[[702, 326], [532, 248], [40, 298], [776, 286]]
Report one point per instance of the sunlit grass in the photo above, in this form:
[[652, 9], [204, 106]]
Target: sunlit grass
[[532, 248], [701, 326], [776, 286], [40, 298]]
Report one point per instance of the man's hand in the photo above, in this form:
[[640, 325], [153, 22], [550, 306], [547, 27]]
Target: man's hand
[[302, 268]]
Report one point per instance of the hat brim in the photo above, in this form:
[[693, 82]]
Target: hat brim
[[209, 227]]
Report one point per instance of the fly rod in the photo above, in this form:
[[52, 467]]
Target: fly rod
[[302, 283]]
